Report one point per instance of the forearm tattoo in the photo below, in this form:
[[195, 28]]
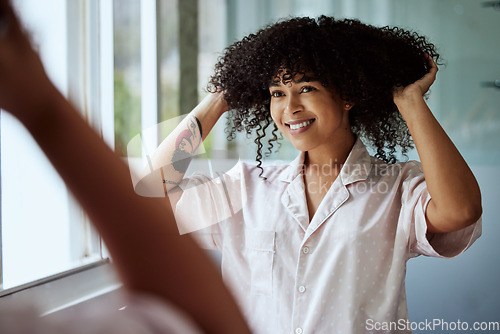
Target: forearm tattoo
[[186, 145]]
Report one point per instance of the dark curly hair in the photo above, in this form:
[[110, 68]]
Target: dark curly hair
[[362, 63]]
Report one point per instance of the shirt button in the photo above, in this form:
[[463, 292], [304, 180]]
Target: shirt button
[[302, 288], [305, 250], [299, 331]]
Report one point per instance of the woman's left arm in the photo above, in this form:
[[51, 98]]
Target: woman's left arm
[[456, 198]]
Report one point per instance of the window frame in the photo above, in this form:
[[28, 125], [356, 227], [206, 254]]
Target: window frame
[[90, 88]]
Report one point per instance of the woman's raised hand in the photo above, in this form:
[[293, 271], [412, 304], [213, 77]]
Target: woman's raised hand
[[419, 87], [21, 71]]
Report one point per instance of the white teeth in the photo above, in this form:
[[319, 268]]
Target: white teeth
[[300, 125]]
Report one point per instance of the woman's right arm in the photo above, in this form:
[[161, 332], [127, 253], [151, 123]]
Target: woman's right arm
[[171, 160]]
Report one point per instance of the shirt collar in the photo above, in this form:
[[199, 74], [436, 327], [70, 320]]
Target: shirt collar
[[357, 166]]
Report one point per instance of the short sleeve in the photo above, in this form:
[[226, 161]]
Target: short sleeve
[[415, 198], [206, 203]]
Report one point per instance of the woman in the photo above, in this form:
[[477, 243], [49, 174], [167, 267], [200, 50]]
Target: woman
[[320, 245]]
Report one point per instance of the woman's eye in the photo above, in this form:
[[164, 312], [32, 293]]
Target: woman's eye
[[307, 89], [276, 94]]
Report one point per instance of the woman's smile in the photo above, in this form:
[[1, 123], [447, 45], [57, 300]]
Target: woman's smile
[[300, 126]]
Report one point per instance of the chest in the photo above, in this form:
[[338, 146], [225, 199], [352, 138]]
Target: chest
[[315, 189], [340, 208]]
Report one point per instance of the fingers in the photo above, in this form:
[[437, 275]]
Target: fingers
[[432, 64], [9, 22], [4, 21], [427, 80], [5, 14], [13, 36]]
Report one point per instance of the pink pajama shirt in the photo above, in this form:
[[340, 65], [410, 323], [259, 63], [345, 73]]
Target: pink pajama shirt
[[334, 274]]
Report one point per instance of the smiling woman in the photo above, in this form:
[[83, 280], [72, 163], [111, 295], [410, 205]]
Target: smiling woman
[[321, 244], [336, 226], [361, 63]]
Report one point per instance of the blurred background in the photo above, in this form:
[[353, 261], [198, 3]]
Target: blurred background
[[130, 64]]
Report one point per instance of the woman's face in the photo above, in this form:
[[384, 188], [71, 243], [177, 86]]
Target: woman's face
[[309, 114]]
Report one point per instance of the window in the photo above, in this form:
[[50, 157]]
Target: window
[[161, 69], [43, 230], [127, 72], [121, 64]]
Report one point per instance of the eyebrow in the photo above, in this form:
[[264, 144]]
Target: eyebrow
[[304, 78]]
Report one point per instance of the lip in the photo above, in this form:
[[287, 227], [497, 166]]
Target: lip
[[300, 130]]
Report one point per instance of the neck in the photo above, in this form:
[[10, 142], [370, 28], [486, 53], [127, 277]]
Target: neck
[[329, 158]]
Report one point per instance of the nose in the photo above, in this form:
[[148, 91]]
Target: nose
[[293, 105]]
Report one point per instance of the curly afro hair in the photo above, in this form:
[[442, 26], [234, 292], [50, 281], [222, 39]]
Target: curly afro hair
[[362, 63]]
